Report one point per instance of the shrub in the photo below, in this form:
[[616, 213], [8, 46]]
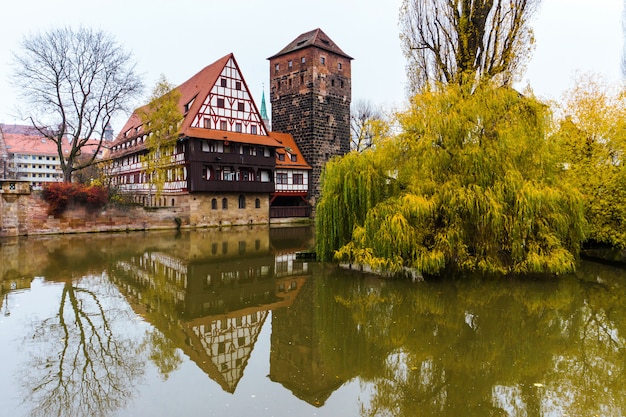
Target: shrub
[[60, 194]]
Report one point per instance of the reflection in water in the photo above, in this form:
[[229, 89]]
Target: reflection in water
[[80, 364], [471, 346]]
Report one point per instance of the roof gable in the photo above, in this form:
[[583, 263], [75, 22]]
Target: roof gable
[[226, 106], [218, 93], [315, 38]]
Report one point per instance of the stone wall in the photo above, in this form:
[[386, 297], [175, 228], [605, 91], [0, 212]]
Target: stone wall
[[311, 101], [23, 212]]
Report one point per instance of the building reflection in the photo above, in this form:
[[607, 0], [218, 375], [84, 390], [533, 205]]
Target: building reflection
[[211, 292]]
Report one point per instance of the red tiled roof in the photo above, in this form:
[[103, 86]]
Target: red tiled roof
[[224, 135], [287, 141], [197, 88], [316, 38], [35, 143]]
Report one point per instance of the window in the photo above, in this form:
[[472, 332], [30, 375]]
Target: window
[[339, 66], [223, 82], [228, 175], [242, 202], [223, 125], [224, 204], [332, 83], [290, 64], [281, 156], [294, 157], [301, 79], [323, 60], [220, 103], [303, 60], [281, 178], [214, 204], [208, 146], [207, 123], [238, 127], [241, 106], [237, 85], [298, 179], [257, 203], [276, 68]]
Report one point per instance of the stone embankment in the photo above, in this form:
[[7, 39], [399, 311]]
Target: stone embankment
[[23, 212]]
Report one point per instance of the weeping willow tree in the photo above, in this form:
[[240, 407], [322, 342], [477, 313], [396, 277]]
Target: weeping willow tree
[[161, 118], [471, 184]]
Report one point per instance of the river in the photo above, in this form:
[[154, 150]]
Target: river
[[232, 323]]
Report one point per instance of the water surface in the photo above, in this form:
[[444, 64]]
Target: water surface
[[230, 323]]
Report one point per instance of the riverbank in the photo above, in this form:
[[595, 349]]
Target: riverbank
[[23, 212]]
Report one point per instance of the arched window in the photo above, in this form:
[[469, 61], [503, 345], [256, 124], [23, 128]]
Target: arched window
[[257, 203], [214, 204], [224, 204], [242, 201]]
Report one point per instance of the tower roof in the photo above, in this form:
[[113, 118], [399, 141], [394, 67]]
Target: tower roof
[[263, 108], [316, 38]]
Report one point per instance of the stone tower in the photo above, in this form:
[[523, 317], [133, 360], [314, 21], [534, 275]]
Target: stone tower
[[310, 97]]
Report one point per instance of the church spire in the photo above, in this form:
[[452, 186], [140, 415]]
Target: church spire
[[264, 117]]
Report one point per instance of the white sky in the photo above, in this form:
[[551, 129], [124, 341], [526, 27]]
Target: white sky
[[178, 38]]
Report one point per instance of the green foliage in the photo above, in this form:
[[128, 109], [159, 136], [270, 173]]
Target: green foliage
[[61, 194], [351, 186], [161, 119], [475, 188], [592, 139]]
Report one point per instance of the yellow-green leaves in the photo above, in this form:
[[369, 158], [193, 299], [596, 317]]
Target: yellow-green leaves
[[161, 119], [592, 139], [472, 183]]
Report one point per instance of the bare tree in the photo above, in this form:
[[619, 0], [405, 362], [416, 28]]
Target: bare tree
[[72, 83], [363, 117], [453, 41]]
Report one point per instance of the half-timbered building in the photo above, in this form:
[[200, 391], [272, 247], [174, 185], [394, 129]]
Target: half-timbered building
[[222, 168]]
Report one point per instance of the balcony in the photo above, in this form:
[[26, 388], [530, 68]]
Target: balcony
[[285, 212]]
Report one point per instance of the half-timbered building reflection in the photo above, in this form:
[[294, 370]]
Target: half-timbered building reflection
[[212, 296]]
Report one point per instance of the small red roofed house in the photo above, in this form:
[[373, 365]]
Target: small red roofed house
[[290, 198], [221, 171]]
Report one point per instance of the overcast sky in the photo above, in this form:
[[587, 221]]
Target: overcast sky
[[178, 38]]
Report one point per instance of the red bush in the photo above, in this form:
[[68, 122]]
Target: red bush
[[60, 194]]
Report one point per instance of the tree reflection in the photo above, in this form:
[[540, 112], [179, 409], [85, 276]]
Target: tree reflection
[[83, 366], [162, 352], [485, 347]]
